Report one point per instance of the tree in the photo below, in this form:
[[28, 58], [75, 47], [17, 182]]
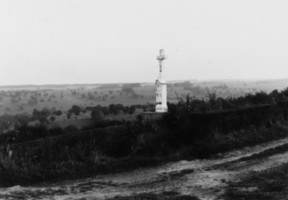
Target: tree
[[68, 115], [113, 109], [131, 110], [75, 109], [58, 112], [41, 115], [97, 115], [52, 118]]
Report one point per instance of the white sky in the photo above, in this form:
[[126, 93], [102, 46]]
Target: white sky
[[94, 41]]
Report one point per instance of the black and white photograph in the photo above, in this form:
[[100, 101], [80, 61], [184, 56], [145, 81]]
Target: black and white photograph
[[143, 100]]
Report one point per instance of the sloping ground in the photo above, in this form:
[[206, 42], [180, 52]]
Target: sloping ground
[[205, 179]]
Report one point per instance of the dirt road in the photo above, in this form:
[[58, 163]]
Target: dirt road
[[206, 179]]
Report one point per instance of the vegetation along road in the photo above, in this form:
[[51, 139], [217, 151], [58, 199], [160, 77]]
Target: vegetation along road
[[196, 179]]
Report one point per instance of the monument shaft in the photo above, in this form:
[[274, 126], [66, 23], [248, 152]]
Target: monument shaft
[[161, 86]]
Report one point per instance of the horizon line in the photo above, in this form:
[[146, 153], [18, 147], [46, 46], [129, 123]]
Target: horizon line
[[171, 81]]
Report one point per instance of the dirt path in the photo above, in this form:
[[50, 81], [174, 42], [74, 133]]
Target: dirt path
[[205, 179]]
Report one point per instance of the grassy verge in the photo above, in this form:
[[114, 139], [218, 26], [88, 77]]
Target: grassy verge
[[220, 143], [271, 184], [52, 159], [12, 174]]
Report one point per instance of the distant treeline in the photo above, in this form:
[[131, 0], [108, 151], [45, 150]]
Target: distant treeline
[[119, 108], [131, 85]]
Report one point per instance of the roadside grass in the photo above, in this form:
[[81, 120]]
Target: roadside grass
[[86, 153], [269, 152], [212, 146], [45, 156], [270, 184]]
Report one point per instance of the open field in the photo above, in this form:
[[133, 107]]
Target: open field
[[23, 99]]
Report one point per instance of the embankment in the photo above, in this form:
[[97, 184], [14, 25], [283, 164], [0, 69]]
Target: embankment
[[179, 135]]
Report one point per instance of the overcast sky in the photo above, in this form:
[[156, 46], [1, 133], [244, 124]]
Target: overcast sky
[[95, 41]]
